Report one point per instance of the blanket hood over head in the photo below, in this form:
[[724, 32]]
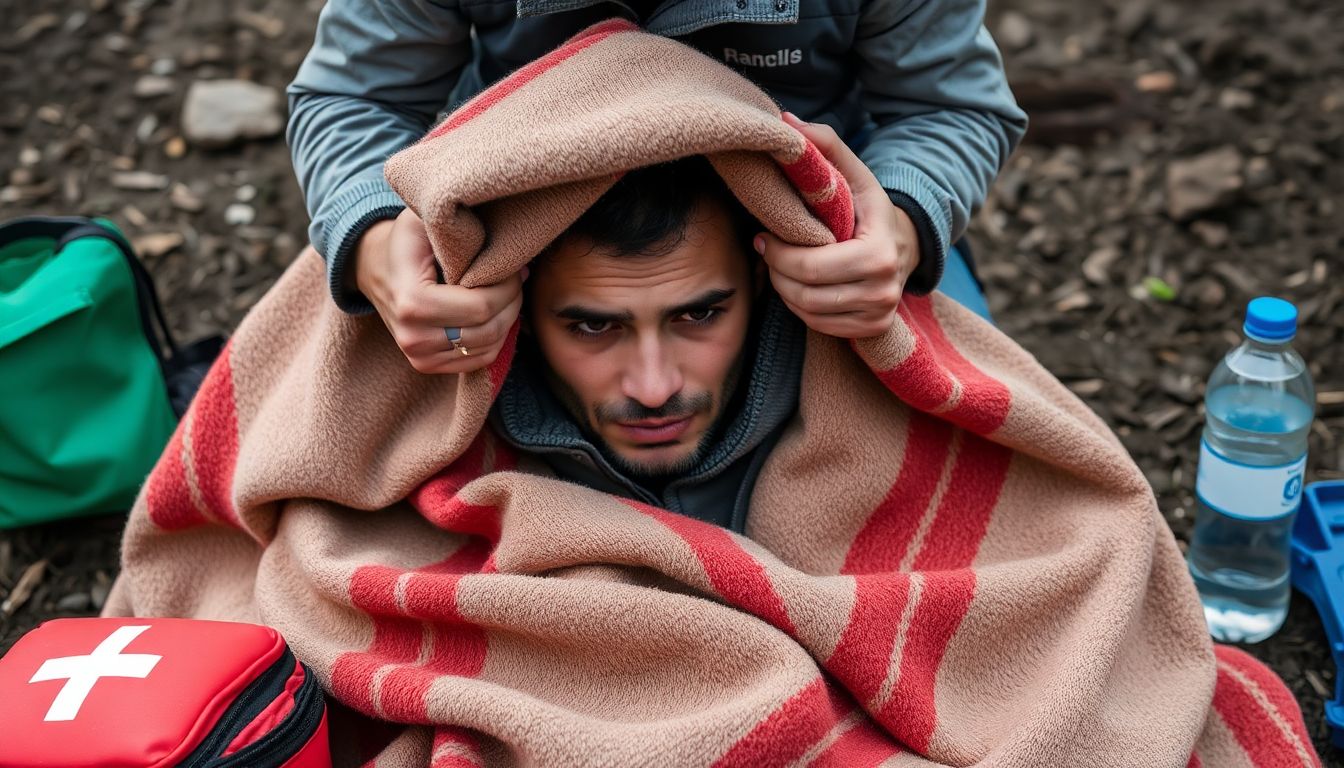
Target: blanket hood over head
[[949, 559]]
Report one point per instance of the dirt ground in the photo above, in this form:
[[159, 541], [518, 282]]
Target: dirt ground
[[1185, 158]]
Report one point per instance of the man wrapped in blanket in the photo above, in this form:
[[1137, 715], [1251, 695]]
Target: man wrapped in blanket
[[915, 87], [945, 558]]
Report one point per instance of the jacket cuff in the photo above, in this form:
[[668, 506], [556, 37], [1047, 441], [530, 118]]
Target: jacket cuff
[[912, 192], [360, 207]]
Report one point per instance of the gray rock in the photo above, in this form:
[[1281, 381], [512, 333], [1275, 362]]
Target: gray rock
[[1203, 183], [153, 86], [239, 214], [77, 602], [139, 181], [1014, 31], [218, 113]]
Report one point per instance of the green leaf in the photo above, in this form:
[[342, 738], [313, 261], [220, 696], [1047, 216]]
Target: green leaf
[[1159, 289]]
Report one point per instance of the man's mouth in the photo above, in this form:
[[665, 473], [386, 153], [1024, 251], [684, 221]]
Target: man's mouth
[[653, 432]]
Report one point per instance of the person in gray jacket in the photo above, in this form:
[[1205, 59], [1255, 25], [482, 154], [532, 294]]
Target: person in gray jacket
[[915, 87]]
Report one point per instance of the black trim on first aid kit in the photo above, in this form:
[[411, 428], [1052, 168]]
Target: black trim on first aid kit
[[281, 742]]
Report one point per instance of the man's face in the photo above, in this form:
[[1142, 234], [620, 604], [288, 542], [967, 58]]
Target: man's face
[[645, 350]]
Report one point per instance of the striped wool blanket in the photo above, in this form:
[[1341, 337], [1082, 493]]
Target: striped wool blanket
[[950, 560]]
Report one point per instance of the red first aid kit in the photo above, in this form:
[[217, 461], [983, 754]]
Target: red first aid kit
[[135, 693]]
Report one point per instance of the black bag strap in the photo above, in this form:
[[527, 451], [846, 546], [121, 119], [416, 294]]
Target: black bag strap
[[66, 229]]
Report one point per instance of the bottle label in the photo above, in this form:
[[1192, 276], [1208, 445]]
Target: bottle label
[[1246, 491]]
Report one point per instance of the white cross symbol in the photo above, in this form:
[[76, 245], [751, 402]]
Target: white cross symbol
[[82, 672]]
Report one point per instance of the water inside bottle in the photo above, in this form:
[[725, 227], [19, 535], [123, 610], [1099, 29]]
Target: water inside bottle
[[1241, 566]]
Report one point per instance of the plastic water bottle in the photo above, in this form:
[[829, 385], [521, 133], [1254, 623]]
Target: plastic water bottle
[[1259, 403]]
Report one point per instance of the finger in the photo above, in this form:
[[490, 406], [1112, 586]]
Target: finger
[[843, 299], [455, 306], [847, 326], [452, 361], [843, 262], [485, 335]]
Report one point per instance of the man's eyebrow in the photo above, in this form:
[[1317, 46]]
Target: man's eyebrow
[[581, 313], [704, 301], [586, 314]]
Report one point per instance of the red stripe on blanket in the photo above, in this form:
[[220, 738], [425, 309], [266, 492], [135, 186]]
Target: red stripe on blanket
[[526, 74], [1195, 762], [167, 496], [863, 746], [430, 592], [883, 542], [791, 730], [214, 439], [437, 499], [863, 655], [739, 578], [1253, 721], [964, 512], [985, 401], [454, 748], [911, 713], [920, 378], [824, 190]]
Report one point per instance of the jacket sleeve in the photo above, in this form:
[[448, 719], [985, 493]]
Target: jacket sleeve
[[933, 82], [373, 82]]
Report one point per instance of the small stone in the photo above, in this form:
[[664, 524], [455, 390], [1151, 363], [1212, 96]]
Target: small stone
[[1211, 233], [36, 26], [98, 595], [1259, 173], [77, 602], [21, 177], [1097, 266], [153, 86], [1157, 82], [1078, 300], [135, 216], [139, 181], [1236, 99], [163, 67], [50, 114], [146, 128], [1087, 387], [175, 147], [122, 163], [1203, 183], [1014, 31], [155, 245], [30, 156], [239, 214], [184, 199], [268, 27], [245, 194], [218, 113]]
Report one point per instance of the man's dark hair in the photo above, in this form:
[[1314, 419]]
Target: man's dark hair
[[647, 212]]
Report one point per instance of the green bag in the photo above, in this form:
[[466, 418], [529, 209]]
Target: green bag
[[84, 408]]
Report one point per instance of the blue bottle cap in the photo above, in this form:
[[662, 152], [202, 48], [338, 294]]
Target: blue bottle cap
[[1270, 319]]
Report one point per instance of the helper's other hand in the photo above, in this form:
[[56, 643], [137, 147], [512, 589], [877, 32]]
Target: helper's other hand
[[394, 268], [850, 289]]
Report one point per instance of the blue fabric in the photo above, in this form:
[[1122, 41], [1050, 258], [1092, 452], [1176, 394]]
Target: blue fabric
[[960, 285]]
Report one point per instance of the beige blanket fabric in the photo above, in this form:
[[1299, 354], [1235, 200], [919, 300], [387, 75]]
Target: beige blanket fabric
[[950, 560]]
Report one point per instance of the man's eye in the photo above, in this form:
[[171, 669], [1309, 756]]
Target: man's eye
[[591, 327], [700, 316]]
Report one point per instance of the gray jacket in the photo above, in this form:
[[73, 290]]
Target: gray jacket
[[718, 489], [915, 86]]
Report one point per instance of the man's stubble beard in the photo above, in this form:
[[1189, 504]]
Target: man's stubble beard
[[643, 471]]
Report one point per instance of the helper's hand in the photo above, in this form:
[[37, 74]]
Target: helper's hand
[[394, 268], [850, 289]]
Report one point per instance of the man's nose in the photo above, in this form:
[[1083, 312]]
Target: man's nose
[[652, 375]]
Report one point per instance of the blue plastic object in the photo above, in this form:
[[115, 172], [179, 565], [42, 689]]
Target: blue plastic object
[[1318, 573], [1270, 319]]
